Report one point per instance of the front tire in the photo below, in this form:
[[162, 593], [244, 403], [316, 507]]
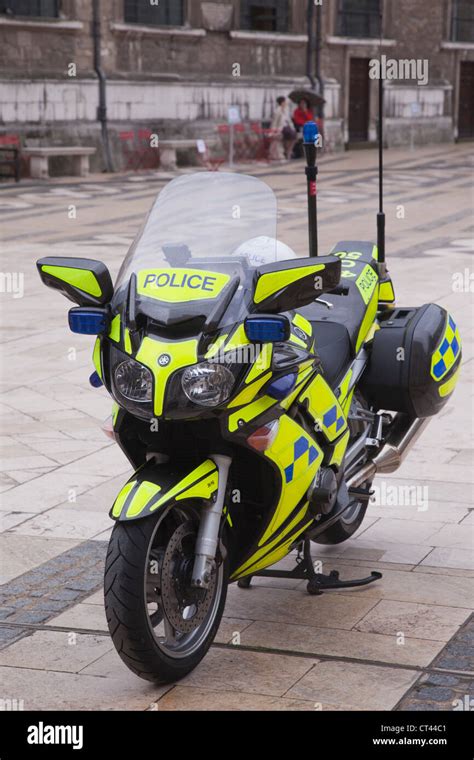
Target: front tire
[[160, 626]]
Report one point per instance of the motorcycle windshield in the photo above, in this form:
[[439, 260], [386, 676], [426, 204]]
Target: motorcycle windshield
[[211, 214]]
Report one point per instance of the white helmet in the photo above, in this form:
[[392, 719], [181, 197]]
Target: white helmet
[[264, 250]]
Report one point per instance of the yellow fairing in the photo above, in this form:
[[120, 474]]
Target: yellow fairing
[[369, 318], [275, 550], [141, 497], [340, 449], [386, 292], [96, 358], [297, 457], [180, 285], [272, 282], [324, 408], [181, 354]]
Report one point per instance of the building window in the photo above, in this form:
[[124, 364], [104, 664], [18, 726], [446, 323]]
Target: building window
[[358, 18], [462, 21], [35, 8], [159, 12], [264, 15]]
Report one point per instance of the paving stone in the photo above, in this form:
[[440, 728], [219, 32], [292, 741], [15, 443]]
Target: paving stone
[[253, 672], [421, 621], [339, 643], [43, 690], [278, 605], [187, 698], [363, 687]]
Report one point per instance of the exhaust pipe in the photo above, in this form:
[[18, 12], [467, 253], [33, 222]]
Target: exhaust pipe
[[403, 434]]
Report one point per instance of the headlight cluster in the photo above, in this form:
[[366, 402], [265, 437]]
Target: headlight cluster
[[132, 385], [208, 384], [133, 381]]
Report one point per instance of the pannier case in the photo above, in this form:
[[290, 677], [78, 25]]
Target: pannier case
[[415, 361]]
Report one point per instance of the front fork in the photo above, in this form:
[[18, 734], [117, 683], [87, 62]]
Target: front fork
[[208, 533]]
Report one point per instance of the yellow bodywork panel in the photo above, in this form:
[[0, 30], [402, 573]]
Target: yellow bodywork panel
[[261, 364], [297, 457], [180, 285], [386, 292], [264, 556], [144, 493], [214, 348], [237, 339], [96, 358], [121, 498], [303, 324], [114, 331], [367, 283], [83, 279], [272, 282], [369, 318], [249, 393], [127, 342], [250, 412], [324, 408], [446, 388], [340, 449], [183, 490], [181, 354], [303, 375], [140, 497]]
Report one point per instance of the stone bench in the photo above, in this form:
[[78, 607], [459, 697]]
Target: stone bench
[[39, 158], [169, 148]]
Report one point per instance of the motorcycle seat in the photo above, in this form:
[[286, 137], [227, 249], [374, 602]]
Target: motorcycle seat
[[333, 346], [347, 310]]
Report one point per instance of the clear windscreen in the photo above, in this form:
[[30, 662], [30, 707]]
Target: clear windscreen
[[208, 217]]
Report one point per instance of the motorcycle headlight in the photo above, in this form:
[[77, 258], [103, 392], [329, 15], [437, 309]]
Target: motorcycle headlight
[[133, 381], [207, 384]]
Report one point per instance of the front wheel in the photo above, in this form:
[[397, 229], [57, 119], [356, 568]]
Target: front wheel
[[160, 625]]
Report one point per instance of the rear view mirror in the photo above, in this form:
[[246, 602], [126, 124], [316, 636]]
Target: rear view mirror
[[84, 281], [292, 284]]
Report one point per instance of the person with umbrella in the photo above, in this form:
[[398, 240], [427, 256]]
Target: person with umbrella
[[307, 101], [302, 114]]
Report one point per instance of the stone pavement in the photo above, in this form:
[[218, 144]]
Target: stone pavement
[[402, 643]]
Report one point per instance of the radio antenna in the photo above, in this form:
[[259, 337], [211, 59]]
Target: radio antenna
[[381, 213]]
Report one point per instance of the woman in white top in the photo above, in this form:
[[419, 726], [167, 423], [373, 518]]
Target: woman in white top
[[282, 123]]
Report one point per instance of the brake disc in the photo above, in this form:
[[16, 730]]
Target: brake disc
[[184, 606]]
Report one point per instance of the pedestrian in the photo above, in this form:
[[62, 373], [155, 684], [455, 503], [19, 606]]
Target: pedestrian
[[283, 124], [301, 115]]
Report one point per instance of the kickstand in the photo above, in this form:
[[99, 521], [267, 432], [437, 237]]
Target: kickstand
[[317, 582]]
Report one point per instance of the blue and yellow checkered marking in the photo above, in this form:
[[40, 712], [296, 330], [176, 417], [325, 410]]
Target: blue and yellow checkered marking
[[300, 448], [447, 352], [333, 419]]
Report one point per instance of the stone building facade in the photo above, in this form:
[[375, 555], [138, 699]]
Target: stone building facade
[[176, 66]]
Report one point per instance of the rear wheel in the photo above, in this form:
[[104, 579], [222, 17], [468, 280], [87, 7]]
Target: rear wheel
[[160, 625]]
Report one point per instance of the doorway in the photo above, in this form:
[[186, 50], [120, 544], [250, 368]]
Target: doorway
[[466, 101], [359, 100]]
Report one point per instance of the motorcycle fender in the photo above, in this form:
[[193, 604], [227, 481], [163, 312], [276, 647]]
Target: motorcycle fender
[[153, 486]]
